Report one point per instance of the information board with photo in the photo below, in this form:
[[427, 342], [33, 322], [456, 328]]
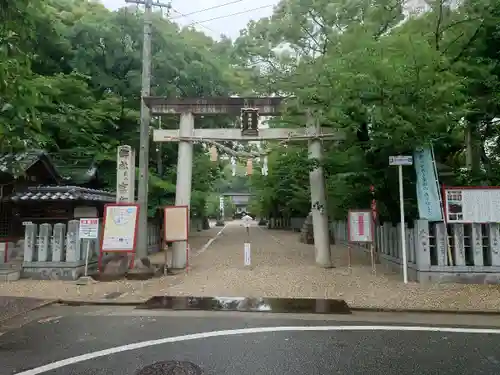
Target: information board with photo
[[472, 205], [120, 228]]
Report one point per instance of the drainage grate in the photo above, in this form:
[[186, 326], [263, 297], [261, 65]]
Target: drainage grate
[[171, 368]]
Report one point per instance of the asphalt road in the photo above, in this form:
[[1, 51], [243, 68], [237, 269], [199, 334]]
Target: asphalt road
[[57, 333]]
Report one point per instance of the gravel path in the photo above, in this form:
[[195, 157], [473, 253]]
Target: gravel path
[[281, 267]]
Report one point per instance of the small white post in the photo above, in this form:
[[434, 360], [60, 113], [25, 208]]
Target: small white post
[[247, 261], [87, 252], [400, 161]]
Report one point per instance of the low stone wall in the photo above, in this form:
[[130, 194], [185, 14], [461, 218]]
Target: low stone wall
[[57, 252]]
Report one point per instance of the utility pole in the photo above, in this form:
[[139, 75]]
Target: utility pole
[[142, 245]]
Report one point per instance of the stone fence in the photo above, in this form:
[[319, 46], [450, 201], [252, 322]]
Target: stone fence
[[474, 250], [294, 223], [56, 252]]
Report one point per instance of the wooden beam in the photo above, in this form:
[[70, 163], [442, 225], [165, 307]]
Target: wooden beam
[[232, 134], [213, 106]]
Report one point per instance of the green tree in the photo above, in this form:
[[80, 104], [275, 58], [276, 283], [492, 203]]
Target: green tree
[[388, 85]]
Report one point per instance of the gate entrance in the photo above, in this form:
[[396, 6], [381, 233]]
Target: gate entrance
[[249, 109]]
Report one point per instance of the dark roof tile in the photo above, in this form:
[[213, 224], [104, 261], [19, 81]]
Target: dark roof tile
[[62, 193]]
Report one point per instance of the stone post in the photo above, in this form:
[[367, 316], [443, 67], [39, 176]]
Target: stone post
[[477, 244], [421, 243], [44, 239], [494, 235], [441, 244], [58, 240], [73, 252], [459, 248], [30, 238]]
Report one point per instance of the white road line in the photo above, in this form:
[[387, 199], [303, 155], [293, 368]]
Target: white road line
[[210, 241], [233, 332]]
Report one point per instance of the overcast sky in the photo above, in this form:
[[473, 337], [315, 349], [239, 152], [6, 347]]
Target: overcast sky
[[227, 21]]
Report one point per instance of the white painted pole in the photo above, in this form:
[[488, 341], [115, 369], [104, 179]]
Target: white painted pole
[[87, 251], [403, 234]]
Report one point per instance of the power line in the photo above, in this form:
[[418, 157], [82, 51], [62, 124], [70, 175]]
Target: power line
[[230, 15], [210, 8], [185, 15]]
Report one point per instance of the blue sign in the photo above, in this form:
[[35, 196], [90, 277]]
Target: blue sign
[[428, 195]]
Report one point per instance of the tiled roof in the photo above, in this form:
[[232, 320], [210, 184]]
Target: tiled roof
[[17, 163], [62, 193]]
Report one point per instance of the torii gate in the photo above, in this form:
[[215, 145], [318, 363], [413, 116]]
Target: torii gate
[[186, 134]]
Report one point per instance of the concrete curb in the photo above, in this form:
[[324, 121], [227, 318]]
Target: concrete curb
[[425, 311], [353, 309], [37, 307], [75, 303]]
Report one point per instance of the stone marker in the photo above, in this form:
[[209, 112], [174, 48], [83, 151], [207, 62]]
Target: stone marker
[[73, 252], [30, 237], [58, 242], [43, 248]]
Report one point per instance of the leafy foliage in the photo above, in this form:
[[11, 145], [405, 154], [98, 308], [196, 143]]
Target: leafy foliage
[[72, 87], [392, 80]]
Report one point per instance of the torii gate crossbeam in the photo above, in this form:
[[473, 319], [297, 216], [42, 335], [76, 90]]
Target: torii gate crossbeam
[[186, 134]]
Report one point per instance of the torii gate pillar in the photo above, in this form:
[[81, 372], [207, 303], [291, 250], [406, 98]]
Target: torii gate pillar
[[184, 182], [321, 231]]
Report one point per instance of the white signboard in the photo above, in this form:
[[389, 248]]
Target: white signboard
[[125, 175], [89, 228], [472, 205], [400, 160], [248, 255], [360, 226], [120, 228], [176, 223]]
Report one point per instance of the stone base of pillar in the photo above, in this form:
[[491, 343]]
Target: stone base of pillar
[[56, 270], [142, 270]]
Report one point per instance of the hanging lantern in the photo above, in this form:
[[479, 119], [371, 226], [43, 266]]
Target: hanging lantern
[[264, 167], [233, 166], [213, 154], [249, 167]]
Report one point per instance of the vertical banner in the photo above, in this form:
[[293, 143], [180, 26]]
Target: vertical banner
[[429, 206]]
